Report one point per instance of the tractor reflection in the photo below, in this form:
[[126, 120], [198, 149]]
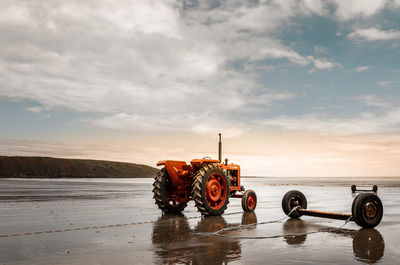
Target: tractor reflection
[[175, 241], [368, 244]]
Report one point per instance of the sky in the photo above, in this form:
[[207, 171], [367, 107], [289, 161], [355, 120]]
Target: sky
[[297, 88]]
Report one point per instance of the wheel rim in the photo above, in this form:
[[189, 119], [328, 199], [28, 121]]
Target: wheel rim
[[251, 201], [370, 210], [216, 191]]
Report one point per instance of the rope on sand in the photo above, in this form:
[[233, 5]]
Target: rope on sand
[[91, 227], [218, 233]]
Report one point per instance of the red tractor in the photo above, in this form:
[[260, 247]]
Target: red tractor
[[207, 181]]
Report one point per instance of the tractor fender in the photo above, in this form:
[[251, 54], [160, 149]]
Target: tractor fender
[[175, 169]]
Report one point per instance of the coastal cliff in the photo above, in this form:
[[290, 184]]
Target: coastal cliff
[[48, 167]]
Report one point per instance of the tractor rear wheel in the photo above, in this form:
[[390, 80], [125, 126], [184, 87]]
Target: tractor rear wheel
[[211, 190], [165, 194]]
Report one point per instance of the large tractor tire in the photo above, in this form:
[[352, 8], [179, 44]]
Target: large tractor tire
[[164, 194], [211, 190]]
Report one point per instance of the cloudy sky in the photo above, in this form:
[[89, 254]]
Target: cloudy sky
[[298, 88]]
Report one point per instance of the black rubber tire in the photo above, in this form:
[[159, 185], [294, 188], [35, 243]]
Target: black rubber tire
[[375, 188], [199, 190], [359, 212], [288, 205], [160, 186], [353, 188], [245, 201]]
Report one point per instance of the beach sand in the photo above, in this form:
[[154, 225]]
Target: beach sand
[[115, 221]]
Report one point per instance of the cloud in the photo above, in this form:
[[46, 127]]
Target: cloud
[[374, 34], [324, 64], [362, 68], [364, 123], [218, 117], [296, 58], [47, 148], [104, 151], [373, 100], [346, 10], [34, 109], [320, 49], [145, 64]]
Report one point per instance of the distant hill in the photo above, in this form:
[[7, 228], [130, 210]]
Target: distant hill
[[48, 167]]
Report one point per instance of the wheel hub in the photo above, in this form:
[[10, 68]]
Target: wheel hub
[[370, 210], [251, 201], [294, 202], [214, 190]]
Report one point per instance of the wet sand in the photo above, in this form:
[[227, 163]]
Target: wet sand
[[101, 221]]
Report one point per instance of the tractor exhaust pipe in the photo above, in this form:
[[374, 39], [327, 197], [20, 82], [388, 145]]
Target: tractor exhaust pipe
[[220, 149]]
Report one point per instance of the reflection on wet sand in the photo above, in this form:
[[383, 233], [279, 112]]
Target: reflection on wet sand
[[368, 244], [295, 226], [175, 242]]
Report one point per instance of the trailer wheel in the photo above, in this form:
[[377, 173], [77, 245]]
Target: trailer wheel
[[165, 195], [292, 199], [249, 201], [367, 210], [211, 190]]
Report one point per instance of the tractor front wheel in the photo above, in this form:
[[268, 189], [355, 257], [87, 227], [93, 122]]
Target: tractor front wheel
[[211, 190], [165, 194], [249, 201]]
